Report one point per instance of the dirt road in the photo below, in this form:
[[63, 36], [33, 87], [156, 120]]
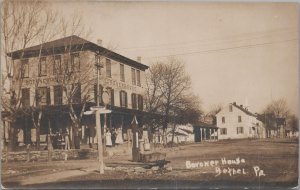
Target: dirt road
[[238, 163]]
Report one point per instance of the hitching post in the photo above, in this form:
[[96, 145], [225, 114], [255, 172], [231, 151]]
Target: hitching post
[[135, 141]]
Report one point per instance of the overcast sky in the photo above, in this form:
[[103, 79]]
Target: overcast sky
[[242, 52]]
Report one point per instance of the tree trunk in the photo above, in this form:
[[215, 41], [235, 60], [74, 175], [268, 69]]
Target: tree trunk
[[75, 137], [173, 135], [11, 139], [49, 142]]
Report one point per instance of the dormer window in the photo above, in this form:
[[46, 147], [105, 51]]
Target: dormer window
[[230, 108]]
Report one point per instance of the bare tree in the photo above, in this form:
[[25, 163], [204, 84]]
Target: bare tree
[[24, 23], [210, 116], [274, 111], [168, 92]]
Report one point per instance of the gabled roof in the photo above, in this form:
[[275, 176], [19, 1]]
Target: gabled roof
[[71, 44], [243, 109]]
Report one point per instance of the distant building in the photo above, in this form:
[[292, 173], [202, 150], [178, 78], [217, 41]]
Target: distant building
[[237, 122], [205, 132]]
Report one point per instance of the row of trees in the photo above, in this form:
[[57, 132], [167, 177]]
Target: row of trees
[[276, 110]]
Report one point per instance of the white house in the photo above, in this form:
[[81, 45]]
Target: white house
[[237, 122]]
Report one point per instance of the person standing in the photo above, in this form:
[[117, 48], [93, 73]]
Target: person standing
[[119, 139], [67, 140], [108, 138]]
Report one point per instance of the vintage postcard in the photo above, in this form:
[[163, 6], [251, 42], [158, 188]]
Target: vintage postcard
[[143, 95]]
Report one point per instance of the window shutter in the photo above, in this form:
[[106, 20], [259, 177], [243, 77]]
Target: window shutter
[[121, 103], [36, 97], [48, 96], [112, 97], [126, 99]]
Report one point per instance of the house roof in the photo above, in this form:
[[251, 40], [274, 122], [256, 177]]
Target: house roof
[[204, 125], [243, 109], [71, 44]]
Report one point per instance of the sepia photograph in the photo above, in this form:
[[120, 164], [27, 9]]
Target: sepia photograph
[[149, 94]]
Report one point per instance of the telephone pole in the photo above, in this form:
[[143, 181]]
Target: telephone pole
[[98, 119]]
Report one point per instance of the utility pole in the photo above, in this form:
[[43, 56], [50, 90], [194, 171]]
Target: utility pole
[[98, 119]]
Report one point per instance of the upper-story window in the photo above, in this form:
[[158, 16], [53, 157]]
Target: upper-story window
[[43, 67], [57, 67], [133, 101], [240, 119], [75, 62], [133, 76], [25, 97], [122, 73], [223, 119], [42, 96], [138, 77], [108, 68], [123, 99], [230, 108], [24, 68], [58, 95], [140, 102]]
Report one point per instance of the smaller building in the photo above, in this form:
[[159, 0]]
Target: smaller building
[[237, 122], [205, 132]]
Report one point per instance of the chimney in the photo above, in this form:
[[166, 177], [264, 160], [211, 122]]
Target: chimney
[[241, 106], [99, 42], [139, 59], [234, 103]]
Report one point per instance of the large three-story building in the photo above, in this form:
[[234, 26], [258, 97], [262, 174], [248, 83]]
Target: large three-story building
[[53, 75]]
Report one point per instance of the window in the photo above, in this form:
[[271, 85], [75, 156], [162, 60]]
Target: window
[[239, 130], [25, 97], [108, 68], [58, 95], [123, 99], [57, 69], [43, 67], [133, 101], [96, 93], [138, 77], [112, 96], [140, 102], [223, 119], [76, 93], [42, 96], [223, 131], [75, 62], [230, 108], [122, 74], [25, 68], [240, 119], [133, 76]]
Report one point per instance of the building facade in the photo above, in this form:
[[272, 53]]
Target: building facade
[[59, 77], [237, 122]]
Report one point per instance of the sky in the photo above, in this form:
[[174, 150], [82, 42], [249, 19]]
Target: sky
[[234, 52]]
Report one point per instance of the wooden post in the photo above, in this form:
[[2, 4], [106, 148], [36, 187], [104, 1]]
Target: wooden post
[[49, 142], [135, 141]]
